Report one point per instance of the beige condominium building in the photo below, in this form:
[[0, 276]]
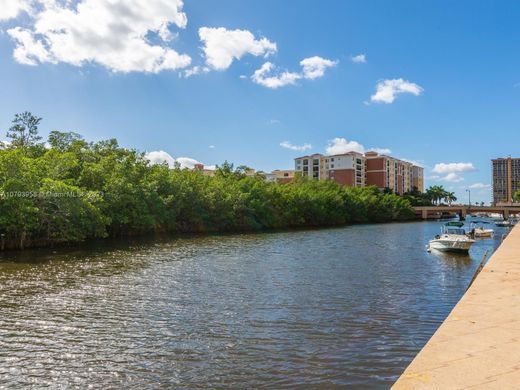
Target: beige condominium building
[[346, 169], [311, 166], [358, 170], [282, 176], [506, 178]]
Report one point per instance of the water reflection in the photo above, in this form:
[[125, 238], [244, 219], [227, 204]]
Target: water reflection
[[328, 308]]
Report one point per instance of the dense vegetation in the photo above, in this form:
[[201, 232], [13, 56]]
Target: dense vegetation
[[70, 190]]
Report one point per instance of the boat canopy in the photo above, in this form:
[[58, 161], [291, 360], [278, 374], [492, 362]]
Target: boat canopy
[[455, 231], [455, 223]]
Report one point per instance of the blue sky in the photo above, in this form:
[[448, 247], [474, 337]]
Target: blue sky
[[458, 64]]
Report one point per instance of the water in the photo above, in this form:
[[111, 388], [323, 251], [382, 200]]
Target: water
[[347, 307]]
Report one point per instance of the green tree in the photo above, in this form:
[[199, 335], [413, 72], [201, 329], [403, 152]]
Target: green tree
[[417, 198], [436, 194], [63, 140], [450, 197], [24, 130], [67, 214]]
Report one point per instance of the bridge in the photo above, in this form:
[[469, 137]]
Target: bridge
[[426, 212]]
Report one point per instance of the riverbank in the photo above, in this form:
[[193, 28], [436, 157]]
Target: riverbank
[[75, 191], [478, 345], [148, 237]]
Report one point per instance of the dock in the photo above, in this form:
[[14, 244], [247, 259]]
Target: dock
[[478, 345]]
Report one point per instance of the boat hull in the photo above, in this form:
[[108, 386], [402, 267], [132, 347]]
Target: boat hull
[[503, 224], [484, 234], [450, 246]]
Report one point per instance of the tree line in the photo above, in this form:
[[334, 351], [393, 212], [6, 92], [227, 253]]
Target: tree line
[[434, 195], [70, 190]]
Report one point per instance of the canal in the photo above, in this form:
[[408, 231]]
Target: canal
[[334, 308]]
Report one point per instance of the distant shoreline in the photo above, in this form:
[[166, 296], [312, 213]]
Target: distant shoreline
[[159, 236]]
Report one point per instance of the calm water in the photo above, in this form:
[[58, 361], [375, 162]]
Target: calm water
[[346, 307]]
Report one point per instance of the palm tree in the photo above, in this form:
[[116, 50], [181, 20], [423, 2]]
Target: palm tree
[[450, 197], [436, 193]]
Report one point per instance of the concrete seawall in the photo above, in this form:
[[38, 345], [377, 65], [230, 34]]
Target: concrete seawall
[[478, 345]]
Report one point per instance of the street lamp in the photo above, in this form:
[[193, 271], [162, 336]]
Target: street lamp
[[469, 197]]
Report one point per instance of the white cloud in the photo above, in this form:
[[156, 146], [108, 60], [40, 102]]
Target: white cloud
[[28, 51], [480, 186], [261, 77], [10, 9], [222, 46], [451, 172], [444, 168], [160, 157], [359, 59], [380, 150], [165, 34], [187, 162], [211, 146], [111, 33], [300, 148], [195, 70], [387, 90], [341, 145], [414, 162], [452, 178], [314, 67]]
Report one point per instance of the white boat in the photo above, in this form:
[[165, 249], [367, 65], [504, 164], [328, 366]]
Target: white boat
[[503, 223], [452, 239], [480, 232]]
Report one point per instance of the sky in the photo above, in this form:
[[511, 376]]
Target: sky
[[262, 82]]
